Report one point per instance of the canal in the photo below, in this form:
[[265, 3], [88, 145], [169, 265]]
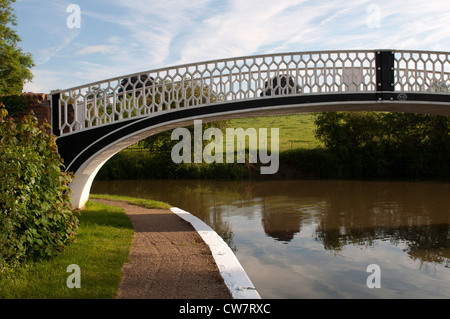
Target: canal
[[320, 239]]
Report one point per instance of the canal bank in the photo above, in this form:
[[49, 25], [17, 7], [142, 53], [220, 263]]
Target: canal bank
[[316, 239], [171, 255]]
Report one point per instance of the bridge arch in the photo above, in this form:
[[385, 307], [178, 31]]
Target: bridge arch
[[95, 121]]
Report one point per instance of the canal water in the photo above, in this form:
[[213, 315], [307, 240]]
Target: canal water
[[322, 239]]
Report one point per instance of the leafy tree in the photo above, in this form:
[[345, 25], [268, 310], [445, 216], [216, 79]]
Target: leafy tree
[[36, 220], [371, 144], [15, 65]]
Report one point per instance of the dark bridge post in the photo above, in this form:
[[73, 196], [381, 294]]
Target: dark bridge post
[[385, 71], [55, 114]]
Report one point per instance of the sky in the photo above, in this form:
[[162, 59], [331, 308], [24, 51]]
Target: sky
[[79, 42]]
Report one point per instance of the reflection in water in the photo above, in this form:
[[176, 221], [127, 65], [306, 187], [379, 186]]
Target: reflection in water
[[338, 215], [282, 225]]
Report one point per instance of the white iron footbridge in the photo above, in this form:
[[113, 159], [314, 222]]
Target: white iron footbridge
[[95, 121]]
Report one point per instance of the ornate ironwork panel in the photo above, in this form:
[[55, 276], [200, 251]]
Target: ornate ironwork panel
[[243, 78]]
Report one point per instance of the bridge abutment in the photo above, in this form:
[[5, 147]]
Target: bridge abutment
[[81, 186]]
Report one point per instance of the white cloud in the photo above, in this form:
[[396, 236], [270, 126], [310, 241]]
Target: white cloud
[[45, 80], [127, 37], [97, 49], [44, 24], [253, 26], [154, 25]]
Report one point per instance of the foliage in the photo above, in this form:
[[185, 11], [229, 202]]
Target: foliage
[[371, 144], [15, 65], [15, 103], [346, 145], [36, 220], [141, 165], [103, 244], [310, 163]]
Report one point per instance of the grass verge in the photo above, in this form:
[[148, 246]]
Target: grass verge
[[147, 203], [102, 247]]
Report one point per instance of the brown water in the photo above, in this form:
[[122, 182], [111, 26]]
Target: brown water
[[315, 239]]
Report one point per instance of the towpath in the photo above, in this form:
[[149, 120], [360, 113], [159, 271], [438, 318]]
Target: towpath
[[168, 259]]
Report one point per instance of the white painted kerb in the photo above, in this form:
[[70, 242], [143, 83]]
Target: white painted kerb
[[231, 270]]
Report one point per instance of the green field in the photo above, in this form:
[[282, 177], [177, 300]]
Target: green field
[[296, 134], [295, 131]]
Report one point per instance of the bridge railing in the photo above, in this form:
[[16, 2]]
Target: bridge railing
[[255, 77], [421, 71]]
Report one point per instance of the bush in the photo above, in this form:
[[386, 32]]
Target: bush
[[313, 163], [36, 219], [14, 103], [399, 145], [143, 165]]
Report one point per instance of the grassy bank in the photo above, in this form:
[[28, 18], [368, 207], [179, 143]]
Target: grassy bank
[[147, 203], [102, 247]]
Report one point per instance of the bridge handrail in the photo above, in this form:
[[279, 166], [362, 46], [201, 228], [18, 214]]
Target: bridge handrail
[[194, 64], [248, 77]]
